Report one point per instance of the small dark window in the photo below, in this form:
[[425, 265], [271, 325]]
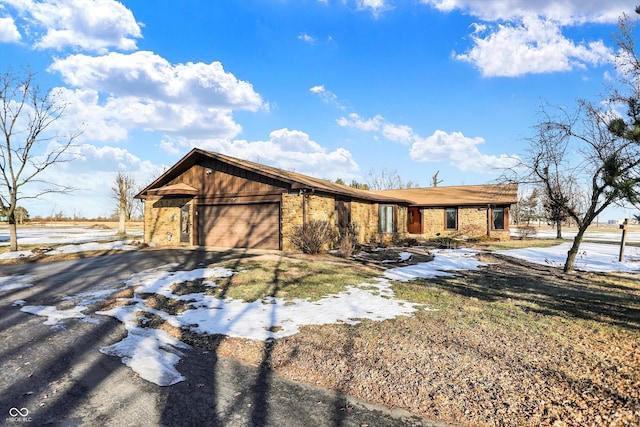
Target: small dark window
[[498, 218], [451, 219]]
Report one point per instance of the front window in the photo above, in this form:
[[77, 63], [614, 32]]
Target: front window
[[498, 218], [386, 218], [451, 219]]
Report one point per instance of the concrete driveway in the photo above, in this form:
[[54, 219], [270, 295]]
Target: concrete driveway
[[57, 376]]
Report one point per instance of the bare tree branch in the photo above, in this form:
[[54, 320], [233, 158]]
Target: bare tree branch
[[30, 145]]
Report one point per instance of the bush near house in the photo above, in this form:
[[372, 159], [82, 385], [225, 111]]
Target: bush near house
[[314, 236]]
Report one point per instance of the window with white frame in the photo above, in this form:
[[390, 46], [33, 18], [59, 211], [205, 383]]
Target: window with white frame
[[386, 218]]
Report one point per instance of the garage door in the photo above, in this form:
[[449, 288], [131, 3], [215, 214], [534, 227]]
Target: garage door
[[240, 226]]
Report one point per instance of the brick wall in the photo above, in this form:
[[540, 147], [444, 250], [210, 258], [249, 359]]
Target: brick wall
[[162, 221], [295, 206], [472, 222], [366, 216], [323, 208]]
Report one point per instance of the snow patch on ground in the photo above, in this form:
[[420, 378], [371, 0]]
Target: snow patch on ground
[[444, 261], [10, 283], [270, 318], [53, 315], [153, 353], [596, 257], [119, 245]]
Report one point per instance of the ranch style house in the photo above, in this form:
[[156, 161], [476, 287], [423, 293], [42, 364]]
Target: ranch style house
[[210, 199]]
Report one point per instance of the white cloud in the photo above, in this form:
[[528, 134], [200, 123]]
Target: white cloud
[[92, 173], [327, 96], [535, 46], [8, 31], [94, 25], [355, 121], [454, 148], [398, 133], [306, 38], [375, 6], [147, 75], [116, 93], [286, 149], [459, 151], [566, 12], [392, 132], [518, 37]]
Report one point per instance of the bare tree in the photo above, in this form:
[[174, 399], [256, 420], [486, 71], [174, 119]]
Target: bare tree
[[555, 208], [123, 192], [387, 180], [434, 180], [589, 160], [581, 165], [30, 145]]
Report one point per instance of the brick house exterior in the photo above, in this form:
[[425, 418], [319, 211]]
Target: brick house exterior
[[469, 211], [209, 199]]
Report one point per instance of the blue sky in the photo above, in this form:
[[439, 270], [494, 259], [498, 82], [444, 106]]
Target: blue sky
[[329, 88]]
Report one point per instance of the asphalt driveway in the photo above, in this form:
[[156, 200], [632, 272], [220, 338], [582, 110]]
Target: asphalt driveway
[[57, 376]]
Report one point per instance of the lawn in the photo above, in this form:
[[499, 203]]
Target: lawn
[[509, 344]]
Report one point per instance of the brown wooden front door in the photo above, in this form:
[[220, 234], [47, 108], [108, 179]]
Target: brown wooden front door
[[414, 221], [240, 226]]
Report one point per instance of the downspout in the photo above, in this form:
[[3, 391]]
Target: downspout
[[488, 220], [304, 207]]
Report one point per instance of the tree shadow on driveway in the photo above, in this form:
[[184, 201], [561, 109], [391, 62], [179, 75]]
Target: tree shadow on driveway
[[60, 377]]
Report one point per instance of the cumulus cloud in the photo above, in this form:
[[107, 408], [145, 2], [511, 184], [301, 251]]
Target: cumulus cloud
[[567, 12], [454, 148], [94, 26], [286, 149], [375, 6], [517, 37], [147, 75], [112, 118], [118, 92], [534, 46], [459, 151], [8, 31], [92, 173]]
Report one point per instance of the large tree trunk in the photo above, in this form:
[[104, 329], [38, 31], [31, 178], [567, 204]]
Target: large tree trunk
[[559, 230], [13, 234], [123, 207], [573, 252], [13, 227]]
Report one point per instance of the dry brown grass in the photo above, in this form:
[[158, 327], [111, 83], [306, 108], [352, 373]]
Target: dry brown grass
[[511, 344]]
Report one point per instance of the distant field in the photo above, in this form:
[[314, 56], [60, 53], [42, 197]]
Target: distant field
[[82, 224]]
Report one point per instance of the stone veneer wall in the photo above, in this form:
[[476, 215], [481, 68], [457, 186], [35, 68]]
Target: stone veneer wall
[[366, 216], [472, 222], [290, 218], [162, 219], [292, 214], [323, 208]]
